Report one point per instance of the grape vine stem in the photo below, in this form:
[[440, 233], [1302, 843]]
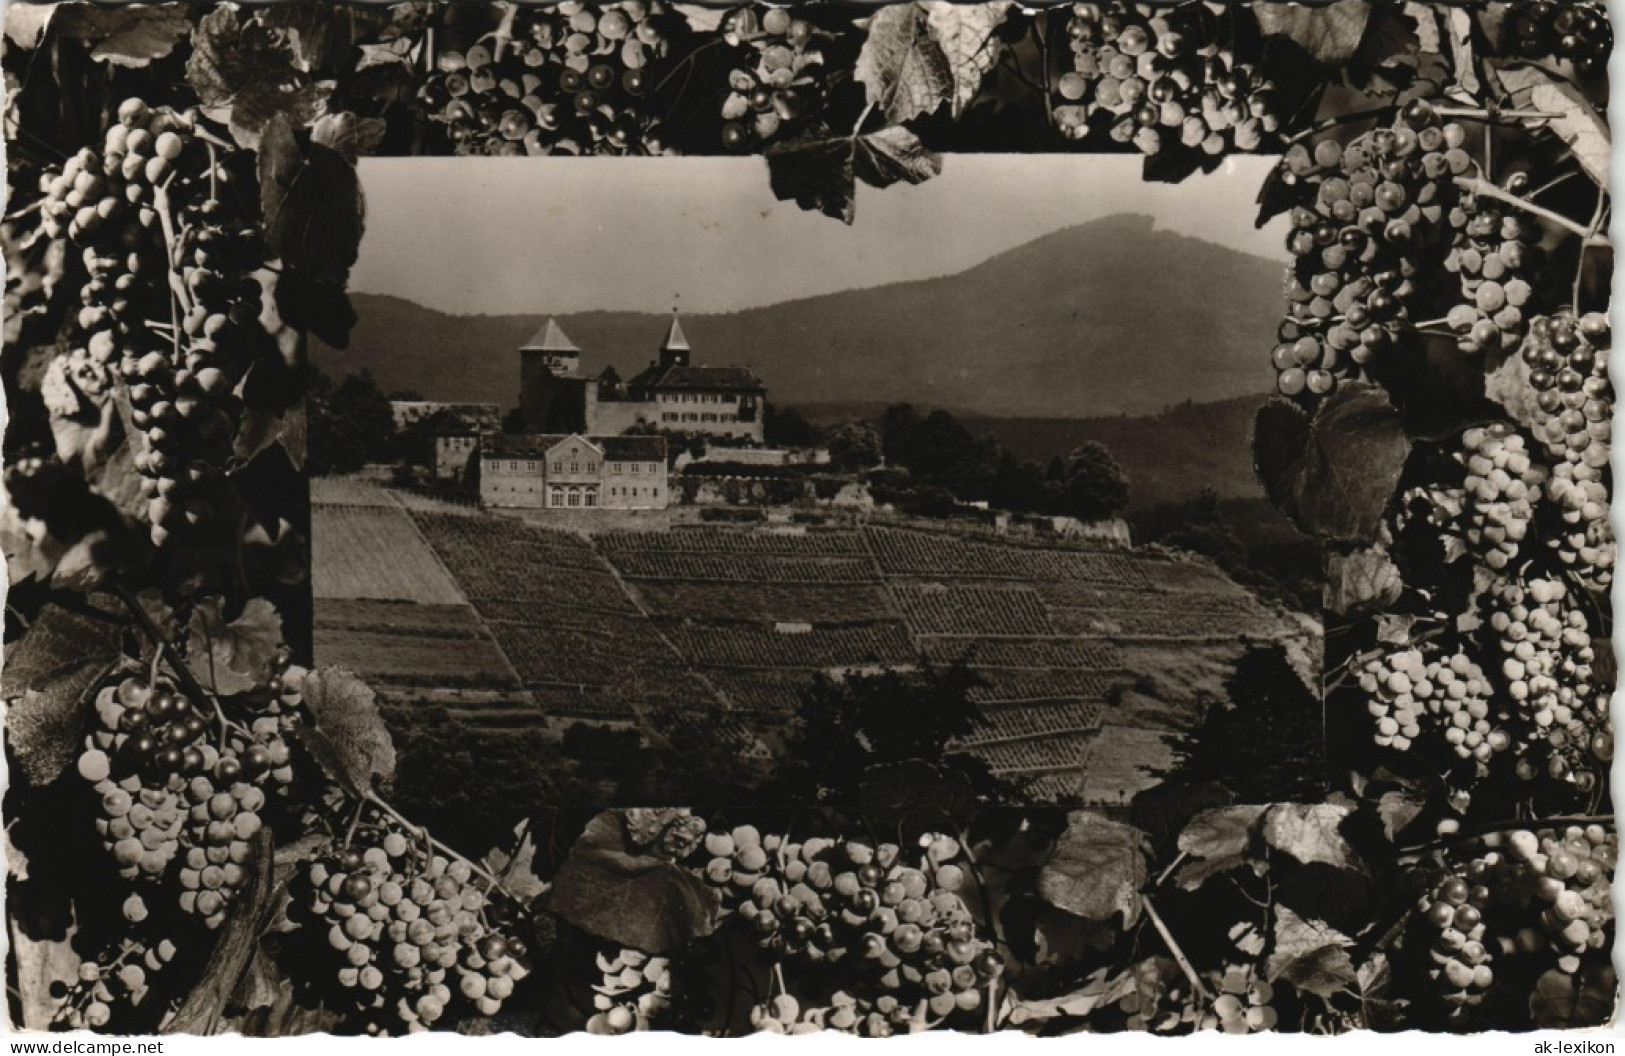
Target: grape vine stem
[[414, 827], [1486, 189], [1174, 948]]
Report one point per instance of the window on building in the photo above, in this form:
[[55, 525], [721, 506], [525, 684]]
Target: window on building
[[614, 467], [634, 467], [574, 497], [652, 468], [668, 417], [555, 497], [592, 467], [558, 467], [513, 466], [530, 465], [592, 498], [575, 467]]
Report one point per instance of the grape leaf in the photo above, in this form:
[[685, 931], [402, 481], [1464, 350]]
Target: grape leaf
[[1310, 955], [350, 740], [1309, 833], [1101, 990], [1397, 809], [1330, 33], [1097, 869], [1361, 582], [129, 35], [1220, 832], [964, 32], [816, 174], [1507, 383], [234, 948], [250, 76], [608, 888], [893, 155], [1576, 122], [516, 872], [902, 66], [1556, 1002], [348, 134], [312, 203], [26, 24], [1332, 473], [45, 679], [232, 657]]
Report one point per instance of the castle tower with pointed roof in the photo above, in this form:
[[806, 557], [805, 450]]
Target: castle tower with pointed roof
[[552, 394]]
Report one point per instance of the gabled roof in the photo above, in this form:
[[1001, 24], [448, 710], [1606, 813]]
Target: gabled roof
[[550, 338], [676, 340], [538, 445], [697, 379], [426, 418]]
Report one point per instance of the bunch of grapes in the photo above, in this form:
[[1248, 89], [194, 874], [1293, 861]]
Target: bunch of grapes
[[171, 302], [167, 789], [1500, 491], [1417, 689], [1578, 32], [1568, 371], [1166, 80], [1452, 915], [409, 928], [635, 991], [776, 83], [1547, 668], [120, 979], [1560, 879], [601, 61], [1243, 1002], [900, 924], [1372, 221], [1494, 257]]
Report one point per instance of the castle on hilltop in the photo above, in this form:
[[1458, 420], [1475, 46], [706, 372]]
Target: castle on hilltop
[[671, 394]]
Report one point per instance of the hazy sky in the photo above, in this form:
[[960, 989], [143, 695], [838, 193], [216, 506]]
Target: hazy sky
[[535, 235]]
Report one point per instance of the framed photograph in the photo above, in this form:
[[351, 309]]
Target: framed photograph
[[571, 517]]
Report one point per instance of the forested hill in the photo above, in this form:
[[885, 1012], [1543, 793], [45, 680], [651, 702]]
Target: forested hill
[[1099, 319]]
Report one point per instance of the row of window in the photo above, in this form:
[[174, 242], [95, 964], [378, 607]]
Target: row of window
[[702, 397], [575, 467], [690, 416]]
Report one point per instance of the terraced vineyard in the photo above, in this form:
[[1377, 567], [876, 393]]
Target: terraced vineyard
[[716, 632]]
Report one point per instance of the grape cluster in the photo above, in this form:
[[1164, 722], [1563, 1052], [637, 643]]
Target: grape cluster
[[1547, 668], [1242, 1005], [895, 919], [1417, 689], [1568, 371], [1502, 485], [600, 61], [1494, 257], [776, 84], [1378, 209], [635, 991], [1578, 32], [171, 301], [1452, 914], [409, 929], [121, 978], [1164, 79], [168, 790], [1561, 878]]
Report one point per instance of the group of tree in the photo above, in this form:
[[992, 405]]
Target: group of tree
[[349, 422], [1246, 538], [939, 451]]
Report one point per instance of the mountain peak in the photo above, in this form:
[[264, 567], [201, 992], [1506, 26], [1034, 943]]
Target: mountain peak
[[1105, 317]]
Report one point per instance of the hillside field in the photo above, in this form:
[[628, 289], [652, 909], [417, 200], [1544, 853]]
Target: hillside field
[[716, 631]]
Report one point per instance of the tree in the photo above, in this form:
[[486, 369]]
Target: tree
[[850, 728], [514, 421], [1264, 741], [1096, 486], [787, 427], [897, 428], [351, 424], [855, 445]]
